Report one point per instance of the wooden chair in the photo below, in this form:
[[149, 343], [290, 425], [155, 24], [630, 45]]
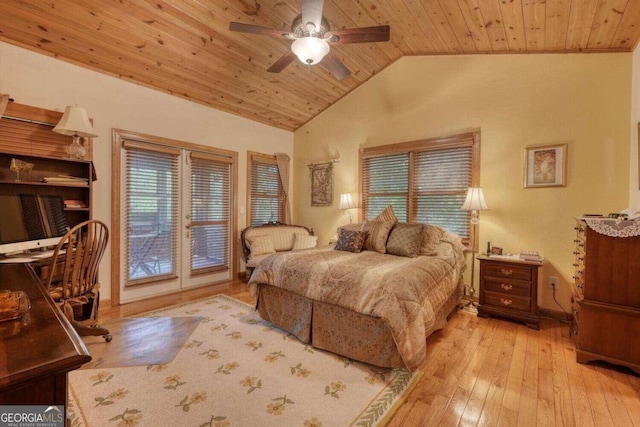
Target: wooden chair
[[72, 278]]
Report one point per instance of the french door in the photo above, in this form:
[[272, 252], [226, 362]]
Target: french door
[[176, 215], [207, 222]]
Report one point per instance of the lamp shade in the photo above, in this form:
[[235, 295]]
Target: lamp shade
[[346, 202], [75, 122], [310, 50], [474, 200]]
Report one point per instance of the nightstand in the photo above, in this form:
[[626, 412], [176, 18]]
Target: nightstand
[[509, 288]]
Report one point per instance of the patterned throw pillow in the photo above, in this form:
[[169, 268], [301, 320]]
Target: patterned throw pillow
[[386, 215], [377, 235], [405, 239], [353, 227], [304, 241], [260, 245], [431, 236], [350, 241]]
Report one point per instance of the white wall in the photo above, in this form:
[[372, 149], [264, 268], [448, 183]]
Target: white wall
[[41, 81], [634, 187]]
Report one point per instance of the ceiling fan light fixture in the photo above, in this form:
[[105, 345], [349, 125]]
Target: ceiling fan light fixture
[[310, 50]]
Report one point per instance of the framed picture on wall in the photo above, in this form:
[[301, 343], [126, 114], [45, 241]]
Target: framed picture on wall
[[322, 184], [545, 166]]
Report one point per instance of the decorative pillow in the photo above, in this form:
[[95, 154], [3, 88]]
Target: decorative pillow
[[350, 241], [261, 245], [353, 227], [431, 236], [405, 239], [304, 241], [377, 235], [386, 215]]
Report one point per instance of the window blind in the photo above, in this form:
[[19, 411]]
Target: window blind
[[267, 194], [440, 181], [211, 201], [150, 211], [385, 181]]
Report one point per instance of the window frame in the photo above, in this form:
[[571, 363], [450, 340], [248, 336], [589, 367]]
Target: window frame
[[467, 139], [255, 157]]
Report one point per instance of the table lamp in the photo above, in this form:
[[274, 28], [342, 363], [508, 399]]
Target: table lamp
[[346, 203], [75, 122]]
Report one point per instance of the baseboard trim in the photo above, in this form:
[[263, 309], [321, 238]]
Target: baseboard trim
[[555, 315]]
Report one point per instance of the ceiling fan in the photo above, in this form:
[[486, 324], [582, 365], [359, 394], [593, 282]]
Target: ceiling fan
[[312, 36]]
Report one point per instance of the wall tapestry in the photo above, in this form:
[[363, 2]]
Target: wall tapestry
[[322, 184]]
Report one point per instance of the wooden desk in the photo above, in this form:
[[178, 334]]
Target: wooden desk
[[38, 349]]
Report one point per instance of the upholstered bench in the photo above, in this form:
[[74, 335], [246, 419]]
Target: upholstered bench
[[260, 241]]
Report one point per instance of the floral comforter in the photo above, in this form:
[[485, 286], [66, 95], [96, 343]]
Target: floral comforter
[[406, 293]]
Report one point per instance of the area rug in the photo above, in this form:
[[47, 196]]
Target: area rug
[[238, 370]]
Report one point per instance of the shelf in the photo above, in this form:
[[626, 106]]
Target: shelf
[[47, 184], [46, 150]]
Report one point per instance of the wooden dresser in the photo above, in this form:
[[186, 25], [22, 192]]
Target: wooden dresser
[[509, 288], [38, 349], [606, 294]]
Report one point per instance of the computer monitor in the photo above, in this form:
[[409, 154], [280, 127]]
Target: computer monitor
[[30, 221]]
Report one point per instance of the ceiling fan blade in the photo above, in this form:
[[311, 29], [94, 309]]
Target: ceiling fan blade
[[312, 12], [360, 35], [281, 63], [337, 68], [255, 29]]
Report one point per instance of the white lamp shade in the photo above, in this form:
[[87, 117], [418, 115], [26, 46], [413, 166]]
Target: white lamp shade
[[75, 122], [475, 200], [346, 202], [310, 50]]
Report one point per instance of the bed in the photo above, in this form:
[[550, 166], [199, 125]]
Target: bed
[[368, 306]]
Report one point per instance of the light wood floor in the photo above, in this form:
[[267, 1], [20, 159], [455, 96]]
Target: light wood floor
[[489, 372]]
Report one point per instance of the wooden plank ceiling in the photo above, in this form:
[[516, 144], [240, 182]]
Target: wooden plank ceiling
[[184, 47]]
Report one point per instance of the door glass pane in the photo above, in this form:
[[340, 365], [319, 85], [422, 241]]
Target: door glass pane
[[210, 214], [151, 213]]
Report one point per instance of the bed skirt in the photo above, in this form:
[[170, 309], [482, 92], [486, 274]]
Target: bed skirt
[[337, 329]]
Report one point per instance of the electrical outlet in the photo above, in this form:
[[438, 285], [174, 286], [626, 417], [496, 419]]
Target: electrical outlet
[[553, 282]]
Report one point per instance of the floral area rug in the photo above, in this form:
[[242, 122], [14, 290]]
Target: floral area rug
[[238, 370]]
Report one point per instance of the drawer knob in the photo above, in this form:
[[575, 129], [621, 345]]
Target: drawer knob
[[506, 287], [506, 272], [506, 301]]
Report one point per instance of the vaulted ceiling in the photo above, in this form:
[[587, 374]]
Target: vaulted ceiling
[[185, 48]]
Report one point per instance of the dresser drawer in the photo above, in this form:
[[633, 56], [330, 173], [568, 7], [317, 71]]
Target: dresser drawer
[[507, 286], [511, 302], [508, 271]]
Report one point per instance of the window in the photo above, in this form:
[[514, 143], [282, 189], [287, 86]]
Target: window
[[425, 181], [266, 196]]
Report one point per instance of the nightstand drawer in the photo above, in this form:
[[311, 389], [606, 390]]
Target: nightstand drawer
[[507, 287], [507, 301], [508, 271]]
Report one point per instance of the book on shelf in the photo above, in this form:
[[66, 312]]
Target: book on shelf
[[71, 203], [65, 178]]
